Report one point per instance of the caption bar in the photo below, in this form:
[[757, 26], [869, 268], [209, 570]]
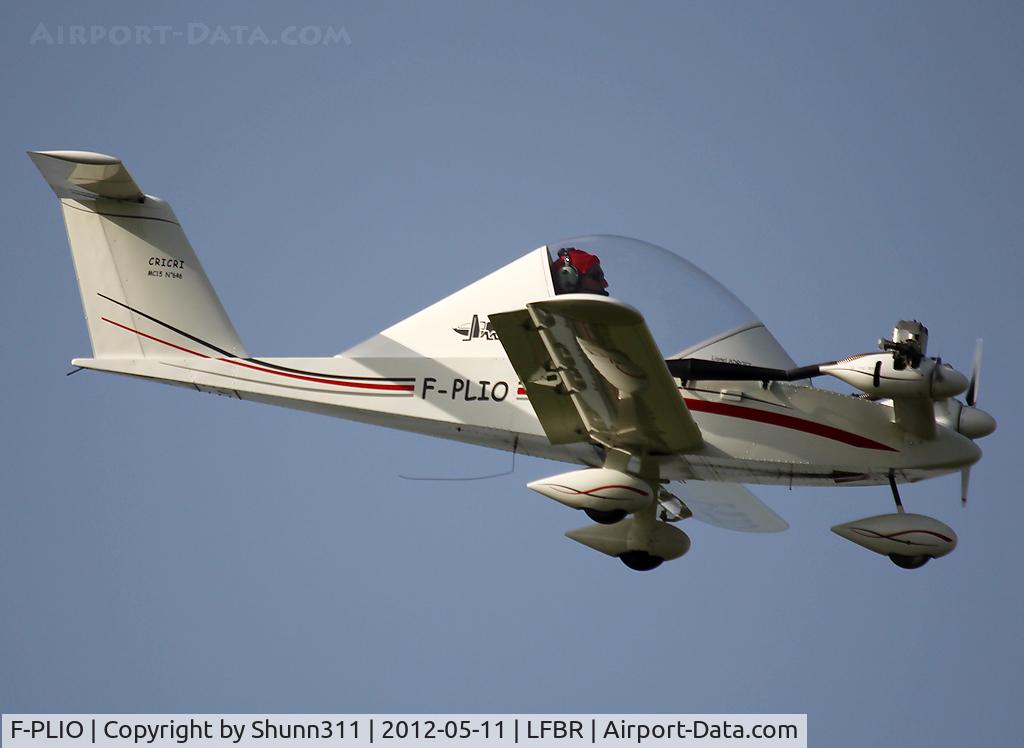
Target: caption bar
[[359, 730]]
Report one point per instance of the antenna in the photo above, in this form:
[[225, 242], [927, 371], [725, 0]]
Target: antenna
[[512, 469]]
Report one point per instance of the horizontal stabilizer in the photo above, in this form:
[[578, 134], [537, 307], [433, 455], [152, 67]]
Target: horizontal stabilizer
[[81, 175]]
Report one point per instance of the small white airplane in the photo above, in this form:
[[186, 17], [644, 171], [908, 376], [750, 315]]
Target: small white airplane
[[537, 359]]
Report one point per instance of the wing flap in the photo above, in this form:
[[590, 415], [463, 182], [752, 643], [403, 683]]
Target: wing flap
[[598, 355], [558, 416]]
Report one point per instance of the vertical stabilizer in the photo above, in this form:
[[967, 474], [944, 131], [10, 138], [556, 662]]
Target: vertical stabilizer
[[144, 293]]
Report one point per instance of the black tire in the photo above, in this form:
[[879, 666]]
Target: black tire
[[640, 560], [909, 562], [609, 517]]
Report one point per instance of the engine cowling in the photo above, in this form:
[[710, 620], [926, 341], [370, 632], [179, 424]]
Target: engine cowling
[[879, 375], [909, 540], [971, 421], [599, 489]]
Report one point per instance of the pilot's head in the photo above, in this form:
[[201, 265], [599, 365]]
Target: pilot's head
[[576, 271]]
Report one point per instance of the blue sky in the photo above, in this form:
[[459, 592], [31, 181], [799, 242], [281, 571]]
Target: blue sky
[[838, 166]]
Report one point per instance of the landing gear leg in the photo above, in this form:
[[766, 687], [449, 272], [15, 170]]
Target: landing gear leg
[[640, 536], [895, 491]]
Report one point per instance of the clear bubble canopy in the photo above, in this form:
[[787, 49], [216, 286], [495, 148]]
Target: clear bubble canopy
[[688, 312]]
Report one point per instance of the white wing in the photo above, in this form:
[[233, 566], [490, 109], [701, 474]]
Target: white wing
[[593, 371], [729, 505]]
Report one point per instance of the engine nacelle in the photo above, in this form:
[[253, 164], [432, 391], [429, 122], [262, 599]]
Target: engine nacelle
[[970, 421], [600, 489], [909, 540], [879, 375]]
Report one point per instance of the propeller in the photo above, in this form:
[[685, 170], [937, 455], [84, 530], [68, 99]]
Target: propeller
[[972, 388], [971, 397]]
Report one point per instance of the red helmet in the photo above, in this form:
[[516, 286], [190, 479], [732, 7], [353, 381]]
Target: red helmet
[[578, 271]]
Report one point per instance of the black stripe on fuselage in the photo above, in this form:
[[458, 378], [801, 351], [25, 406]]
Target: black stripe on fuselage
[[228, 354]]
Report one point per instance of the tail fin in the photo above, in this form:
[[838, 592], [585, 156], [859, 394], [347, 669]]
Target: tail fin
[[144, 292], [458, 326]]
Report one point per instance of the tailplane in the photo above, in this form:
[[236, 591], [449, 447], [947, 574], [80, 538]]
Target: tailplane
[[144, 293]]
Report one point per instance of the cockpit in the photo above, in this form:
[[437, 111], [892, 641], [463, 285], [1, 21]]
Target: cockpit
[[689, 313], [578, 271]]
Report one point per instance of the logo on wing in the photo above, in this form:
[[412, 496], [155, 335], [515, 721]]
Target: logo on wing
[[476, 330]]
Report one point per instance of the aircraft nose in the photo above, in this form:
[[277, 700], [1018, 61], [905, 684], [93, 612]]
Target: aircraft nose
[[975, 423], [951, 451], [972, 452]]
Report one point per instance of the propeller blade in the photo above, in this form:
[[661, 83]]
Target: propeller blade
[[972, 388], [965, 479]]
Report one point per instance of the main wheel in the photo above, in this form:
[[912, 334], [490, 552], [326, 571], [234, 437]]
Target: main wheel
[[609, 517], [640, 560], [909, 562]]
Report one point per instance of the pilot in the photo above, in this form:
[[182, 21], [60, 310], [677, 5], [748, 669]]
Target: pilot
[[577, 271]]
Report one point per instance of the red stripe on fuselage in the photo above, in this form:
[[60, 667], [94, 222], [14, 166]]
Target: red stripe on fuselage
[[785, 421], [361, 385]]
